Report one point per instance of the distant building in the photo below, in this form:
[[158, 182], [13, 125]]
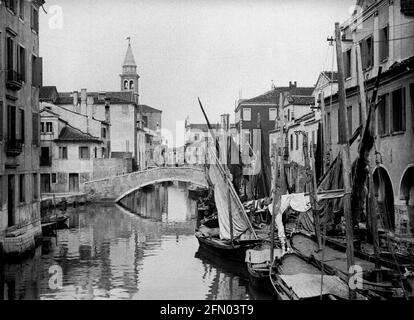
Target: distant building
[[384, 30], [264, 107], [299, 118], [20, 79], [127, 129], [67, 154], [196, 135]]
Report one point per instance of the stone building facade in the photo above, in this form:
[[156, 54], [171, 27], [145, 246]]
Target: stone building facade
[[384, 31], [20, 80]]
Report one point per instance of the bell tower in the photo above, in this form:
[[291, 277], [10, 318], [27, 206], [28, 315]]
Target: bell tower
[[129, 76]]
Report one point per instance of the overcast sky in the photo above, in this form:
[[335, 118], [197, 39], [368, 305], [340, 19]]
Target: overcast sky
[[184, 49]]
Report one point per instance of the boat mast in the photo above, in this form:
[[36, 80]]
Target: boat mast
[[278, 176], [345, 154], [225, 175], [311, 182]]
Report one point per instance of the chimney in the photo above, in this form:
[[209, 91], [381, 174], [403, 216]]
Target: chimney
[[83, 102], [225, 121], [75, 98], [292, 84]]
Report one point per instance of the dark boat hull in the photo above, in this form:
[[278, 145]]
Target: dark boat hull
[[234, 252]]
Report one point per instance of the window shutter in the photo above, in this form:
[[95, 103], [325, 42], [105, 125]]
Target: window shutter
[[35, 129], [364, 50], [37, 74], [1, 120], [412, 104], [403, 109]]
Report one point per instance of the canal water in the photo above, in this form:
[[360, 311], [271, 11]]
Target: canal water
[[108, 252]]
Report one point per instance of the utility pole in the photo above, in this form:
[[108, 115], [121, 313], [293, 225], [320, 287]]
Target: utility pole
[[346, 161]]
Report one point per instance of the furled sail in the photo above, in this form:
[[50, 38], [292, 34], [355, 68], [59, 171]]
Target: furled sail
[[228, 204]]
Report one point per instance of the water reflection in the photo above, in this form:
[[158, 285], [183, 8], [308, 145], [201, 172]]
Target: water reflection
[[111, 253]]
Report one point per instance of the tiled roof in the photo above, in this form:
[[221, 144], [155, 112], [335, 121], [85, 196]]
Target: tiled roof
[[47, 93], [301, 100], [70, 133], [148, 109], [115, 97], [272, 96]]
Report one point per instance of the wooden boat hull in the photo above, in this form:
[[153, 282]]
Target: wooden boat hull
[[295, 278], [335, 264], [59, 223], [235, 252]]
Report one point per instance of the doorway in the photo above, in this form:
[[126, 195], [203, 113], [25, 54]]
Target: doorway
[[73, 182], [10, 200], [45, 182]]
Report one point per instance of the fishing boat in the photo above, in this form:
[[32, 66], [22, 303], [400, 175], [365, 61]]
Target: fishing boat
[[235, 233], [376, 283], [294, 278]]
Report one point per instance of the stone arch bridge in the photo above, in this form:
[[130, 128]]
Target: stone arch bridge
[[116, 187]]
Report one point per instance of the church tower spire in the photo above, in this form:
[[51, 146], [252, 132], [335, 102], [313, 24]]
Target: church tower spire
[[129, 76]]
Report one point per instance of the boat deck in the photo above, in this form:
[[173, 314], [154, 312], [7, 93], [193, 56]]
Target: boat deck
[[309, 285], [331, 257]]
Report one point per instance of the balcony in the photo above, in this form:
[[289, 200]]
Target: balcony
[[45, 161], [13, 147], [14, 80]]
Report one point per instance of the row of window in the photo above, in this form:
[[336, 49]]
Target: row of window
[[367, 51], [15, 125], [47, 128], [19, 6], [391, 113], [83, 152], [16, 63], [247, 114]]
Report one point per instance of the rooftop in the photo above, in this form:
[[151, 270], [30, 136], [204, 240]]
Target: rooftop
[[301, 100], [273, 95], [70, 133]]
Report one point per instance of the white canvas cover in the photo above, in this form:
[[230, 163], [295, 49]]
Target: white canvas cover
[[241, 225]]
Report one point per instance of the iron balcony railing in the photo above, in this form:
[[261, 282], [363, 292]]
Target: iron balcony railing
[[13, 147], [14, 80]]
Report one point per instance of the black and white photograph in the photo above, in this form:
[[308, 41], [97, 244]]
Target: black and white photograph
[[207, 150]]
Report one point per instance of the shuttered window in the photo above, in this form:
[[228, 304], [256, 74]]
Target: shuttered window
[[383, 43], [37, 71], [11, 123], [347, 63], [1, 120], [21, 124], [21, 63], [398, 110], [35, 129], [412, 103], [367, 52], [383, 115], [84, 153]]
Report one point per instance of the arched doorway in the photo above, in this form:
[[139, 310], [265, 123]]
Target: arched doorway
[[385, 198], [407, 194]]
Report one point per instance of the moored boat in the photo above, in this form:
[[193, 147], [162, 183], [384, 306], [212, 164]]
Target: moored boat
[[294, 278]]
